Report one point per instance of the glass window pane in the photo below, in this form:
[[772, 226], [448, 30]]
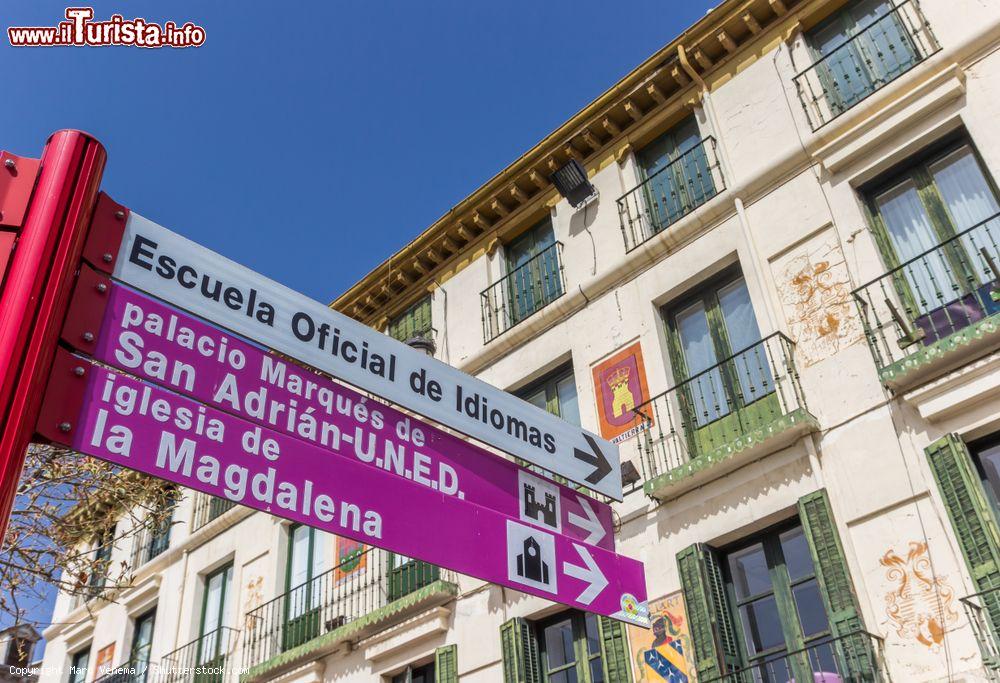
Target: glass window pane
[[964, 189], [565, 676], [569, 410], [596, 671], [989, 460], [749, 571], [707, 394], [737, 311], [593, 634], [750, 365], [78, 670], [912, 234], [795, 549], [559, 644], [762, 625], [809, 604]]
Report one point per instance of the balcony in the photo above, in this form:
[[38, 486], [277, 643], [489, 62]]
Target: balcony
[[983, 612], [853, 658], [671, 193], [936, 310], [205, 660], [358, 597], [740, 409], [207, 508], [522, 292], [865, 62], [151, 541]]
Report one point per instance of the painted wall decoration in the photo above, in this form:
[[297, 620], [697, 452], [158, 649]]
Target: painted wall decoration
[[664, 652], [620, 386], [254, 592], [350, 559], [815, 291], [920, 605]]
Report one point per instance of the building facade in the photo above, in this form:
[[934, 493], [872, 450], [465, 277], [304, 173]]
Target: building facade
[[779, 289]]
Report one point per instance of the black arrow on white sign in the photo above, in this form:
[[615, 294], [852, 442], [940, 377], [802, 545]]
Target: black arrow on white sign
[[600, 462]]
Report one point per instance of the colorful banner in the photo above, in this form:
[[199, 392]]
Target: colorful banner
[[143, 427], [620, 386], [351, 559], [663, 653]]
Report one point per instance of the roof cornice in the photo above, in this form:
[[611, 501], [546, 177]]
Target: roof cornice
[[670, 78]]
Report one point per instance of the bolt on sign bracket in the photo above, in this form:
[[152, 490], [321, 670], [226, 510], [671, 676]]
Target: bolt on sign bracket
[[17, 180]]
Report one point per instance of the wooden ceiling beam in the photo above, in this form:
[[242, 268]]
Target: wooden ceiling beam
[[702, 59], [679, 75], [538, 179], [591, 140], [653, 90], [633, 110], [727, 41]]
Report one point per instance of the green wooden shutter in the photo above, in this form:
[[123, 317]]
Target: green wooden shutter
[[712, 633], [971, 518], [835, 584], [446, 664], [519, 652], [614, 650]]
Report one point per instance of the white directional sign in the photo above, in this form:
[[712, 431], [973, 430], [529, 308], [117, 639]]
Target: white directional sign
[[177, 270]]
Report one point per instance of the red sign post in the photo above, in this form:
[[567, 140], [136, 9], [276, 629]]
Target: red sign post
[[37, 285]]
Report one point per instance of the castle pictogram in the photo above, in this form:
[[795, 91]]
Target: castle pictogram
[[532, 508]]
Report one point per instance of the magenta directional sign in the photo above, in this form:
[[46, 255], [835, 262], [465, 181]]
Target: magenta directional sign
[[141, 426], [153, 341]]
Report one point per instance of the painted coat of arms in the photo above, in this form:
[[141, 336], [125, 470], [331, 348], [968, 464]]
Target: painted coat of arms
[[920, 605]]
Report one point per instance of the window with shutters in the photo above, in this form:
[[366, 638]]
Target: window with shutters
[[986, 456], [778, 606], [570, 647], [415, 321], [415, 674], [966, 480], [776, 601]]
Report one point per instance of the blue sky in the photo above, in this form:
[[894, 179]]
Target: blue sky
[[311, 145]]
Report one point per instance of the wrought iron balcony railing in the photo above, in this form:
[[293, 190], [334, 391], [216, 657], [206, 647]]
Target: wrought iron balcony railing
[[670, 193], [152, 540], [871, 58], [207, 508], [928, 298], [983, 612], [742, 399], [855, 658], [522, 292], [361, 584], [207, 659]]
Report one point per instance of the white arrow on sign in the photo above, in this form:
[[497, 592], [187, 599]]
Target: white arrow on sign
[[592, 574], [189, 276], [591, 523]]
